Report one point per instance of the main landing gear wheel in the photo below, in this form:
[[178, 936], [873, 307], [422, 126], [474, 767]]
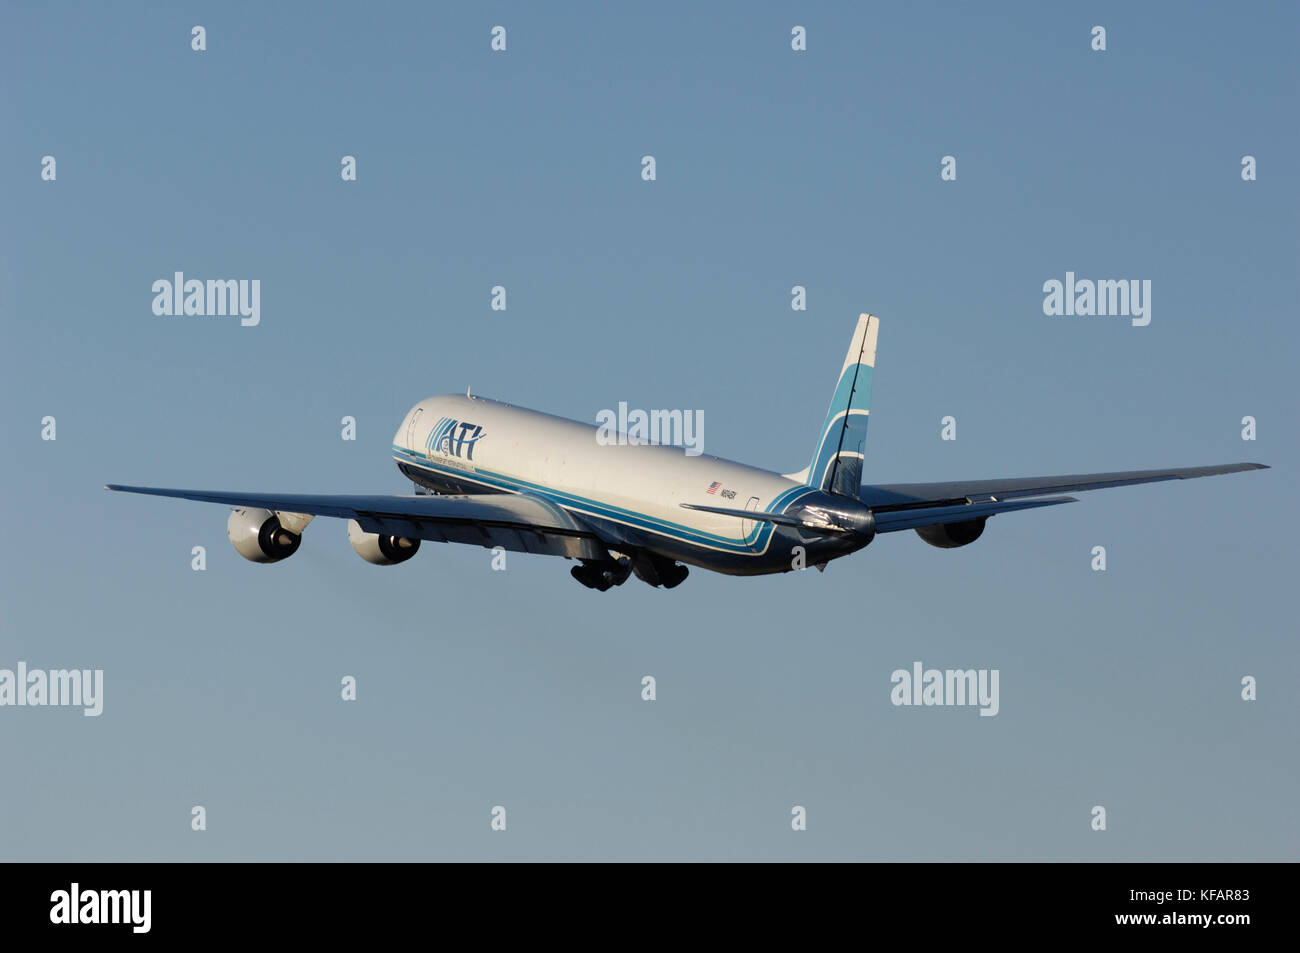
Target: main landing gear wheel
[[601, 575], [659, 570], [674, 576]]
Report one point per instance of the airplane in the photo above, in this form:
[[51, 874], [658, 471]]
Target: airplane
[[496, 475]]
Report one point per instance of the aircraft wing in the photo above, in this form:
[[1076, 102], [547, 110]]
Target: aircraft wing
[[516, 522], [891, 521], [891, 501]]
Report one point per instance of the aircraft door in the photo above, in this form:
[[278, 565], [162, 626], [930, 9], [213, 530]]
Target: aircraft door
[[410, 428], [747, 526]]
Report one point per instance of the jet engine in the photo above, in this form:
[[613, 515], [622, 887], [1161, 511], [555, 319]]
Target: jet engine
[[262, 536], [952, 535], [379, 549]]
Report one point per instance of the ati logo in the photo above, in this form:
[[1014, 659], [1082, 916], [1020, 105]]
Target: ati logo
[[452, 437]]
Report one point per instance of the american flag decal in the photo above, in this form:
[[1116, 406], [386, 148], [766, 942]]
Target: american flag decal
[[713, 487]]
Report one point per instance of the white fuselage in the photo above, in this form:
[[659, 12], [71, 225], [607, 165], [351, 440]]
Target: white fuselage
[[631, 493]]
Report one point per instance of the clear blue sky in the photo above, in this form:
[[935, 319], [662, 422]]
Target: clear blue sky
[[775, 168]]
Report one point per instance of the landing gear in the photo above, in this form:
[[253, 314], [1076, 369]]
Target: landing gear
[[658, 571], [674, 576], [602, 575]]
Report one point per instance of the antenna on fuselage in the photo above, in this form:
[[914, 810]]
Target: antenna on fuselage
[[467, 394]]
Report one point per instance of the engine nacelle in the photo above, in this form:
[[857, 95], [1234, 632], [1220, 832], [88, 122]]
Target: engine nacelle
[[952, 535], [259, 536], [378, 549]]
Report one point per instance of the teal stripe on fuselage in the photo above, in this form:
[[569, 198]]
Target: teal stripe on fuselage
[[761, 534]]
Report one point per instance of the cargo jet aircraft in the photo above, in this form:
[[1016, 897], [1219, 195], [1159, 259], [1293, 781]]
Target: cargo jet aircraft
[[496, 475]]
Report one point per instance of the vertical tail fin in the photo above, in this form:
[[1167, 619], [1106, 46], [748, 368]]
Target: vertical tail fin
[[837, 461]]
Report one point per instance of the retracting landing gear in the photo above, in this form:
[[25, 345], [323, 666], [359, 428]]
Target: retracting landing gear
[[658, 571], [602, 574], [674, 576]]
